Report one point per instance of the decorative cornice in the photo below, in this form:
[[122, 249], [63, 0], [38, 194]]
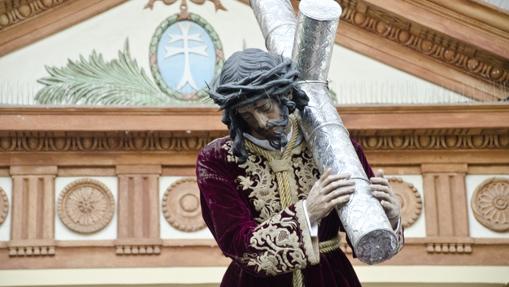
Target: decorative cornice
[[193, 119], [432, 139], [458, 19], [24, 22], [101, 142], [457, 127], [436, 46], [14, 12]]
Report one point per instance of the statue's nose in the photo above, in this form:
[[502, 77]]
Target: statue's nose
[[261, 119]]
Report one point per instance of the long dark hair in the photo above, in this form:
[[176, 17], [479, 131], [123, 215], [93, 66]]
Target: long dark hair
[[248, 76]]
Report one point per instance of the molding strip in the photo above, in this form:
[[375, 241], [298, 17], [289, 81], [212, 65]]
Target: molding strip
[[49, 20], [397, 41]]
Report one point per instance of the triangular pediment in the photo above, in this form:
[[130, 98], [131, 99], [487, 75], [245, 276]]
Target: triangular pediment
[[459, 47]]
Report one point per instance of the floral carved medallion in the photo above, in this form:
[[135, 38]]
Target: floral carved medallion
[[181, 205], [86, 206], [490, 204], [411, 202], [4, 205]]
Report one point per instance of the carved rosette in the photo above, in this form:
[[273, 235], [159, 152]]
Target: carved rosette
[[490, 204], [411, 202], [4, 205], [181, 205], [86, 206]]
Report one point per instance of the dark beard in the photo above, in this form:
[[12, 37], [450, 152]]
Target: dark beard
[[278, 140]]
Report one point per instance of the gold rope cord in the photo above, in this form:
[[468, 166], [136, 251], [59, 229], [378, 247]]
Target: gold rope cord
[[281, 165], [329, 245]]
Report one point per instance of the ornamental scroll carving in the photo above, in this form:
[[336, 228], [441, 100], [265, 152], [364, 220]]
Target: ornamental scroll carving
[[4, 205], [14, 12], [460, 55], [161, 141], [411, 202], [490, 203], [86, 206], [181, 205]]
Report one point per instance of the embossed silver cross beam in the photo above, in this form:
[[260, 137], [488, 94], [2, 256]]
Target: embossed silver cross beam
[[309, 40]]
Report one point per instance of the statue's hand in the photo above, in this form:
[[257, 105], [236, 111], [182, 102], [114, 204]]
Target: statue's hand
[[382, 190], [327, 192]]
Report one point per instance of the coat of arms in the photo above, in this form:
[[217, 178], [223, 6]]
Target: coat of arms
[[185, 56]]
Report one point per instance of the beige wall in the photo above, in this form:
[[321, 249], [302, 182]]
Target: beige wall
[[197, 277]]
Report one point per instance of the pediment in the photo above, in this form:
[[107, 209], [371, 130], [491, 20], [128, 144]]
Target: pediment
[[460, 45]]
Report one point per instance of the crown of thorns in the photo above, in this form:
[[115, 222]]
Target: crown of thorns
[[278, 81]]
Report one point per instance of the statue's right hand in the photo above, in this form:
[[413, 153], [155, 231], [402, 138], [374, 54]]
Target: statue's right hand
[[327, 192]]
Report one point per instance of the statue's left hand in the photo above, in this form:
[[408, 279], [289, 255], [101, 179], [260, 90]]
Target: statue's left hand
[[382, 190]]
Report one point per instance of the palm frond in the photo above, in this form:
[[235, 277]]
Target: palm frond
[[98, 82]]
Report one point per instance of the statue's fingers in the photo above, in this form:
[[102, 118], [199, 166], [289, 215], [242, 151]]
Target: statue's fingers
[[325, 174], [340, 192], [379, 180], [388, 207], [341, 200], [378, 187], [381, 196], [333, 179]]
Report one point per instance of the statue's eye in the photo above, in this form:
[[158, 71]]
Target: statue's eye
[[266, 107], [246, 116]]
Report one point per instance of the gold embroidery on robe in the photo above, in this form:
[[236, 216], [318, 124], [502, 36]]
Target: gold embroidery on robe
[[260, 182], [277, 246], [281, 242]]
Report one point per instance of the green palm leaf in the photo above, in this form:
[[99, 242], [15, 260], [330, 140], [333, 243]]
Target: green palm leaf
[[97, 82]]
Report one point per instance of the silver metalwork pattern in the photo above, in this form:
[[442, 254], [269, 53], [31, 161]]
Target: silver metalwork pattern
[[314, 48], [363, 217], [277, 21]]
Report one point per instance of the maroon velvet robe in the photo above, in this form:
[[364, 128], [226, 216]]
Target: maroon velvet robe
[[241, 207]]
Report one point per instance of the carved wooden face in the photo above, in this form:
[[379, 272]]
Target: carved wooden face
[[264, 119]]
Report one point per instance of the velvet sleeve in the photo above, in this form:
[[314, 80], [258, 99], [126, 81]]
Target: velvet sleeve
[[279, 245], [363, 160]]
